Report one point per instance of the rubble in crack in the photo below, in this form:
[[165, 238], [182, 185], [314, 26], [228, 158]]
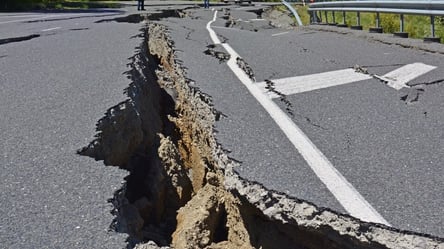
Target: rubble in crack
[[183, 192], [270, 86], [246, 68], [220, 55]]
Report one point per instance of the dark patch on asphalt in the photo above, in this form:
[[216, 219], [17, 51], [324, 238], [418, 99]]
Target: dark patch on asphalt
[[221, 56], [230, 23], [218, 115], [435, 82], [308, 33], [387, 65], [134, 18], [412, 95], [416, 90], [258, 12], [224, 39], [78, 29], [3, 56], [188, 35], [270, 86], [314, 124], [230, 20], [246, 68], [304, 50], [409, 95], [18, 39], [227, 14]]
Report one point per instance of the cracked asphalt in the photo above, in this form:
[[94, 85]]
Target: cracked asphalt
[[55, 87], [391, 151]]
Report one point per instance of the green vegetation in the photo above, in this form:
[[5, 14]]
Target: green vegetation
[[303, 13], [21, 5], [416, 26]]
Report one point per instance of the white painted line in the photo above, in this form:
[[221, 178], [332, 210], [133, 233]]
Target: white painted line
[[51, 29], [283, 33], [401, 76], [344, 192], [213, 35], [299, 84], [257, 19]]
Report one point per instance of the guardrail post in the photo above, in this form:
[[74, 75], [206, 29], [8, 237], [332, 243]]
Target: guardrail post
[[378, 28], [326, 17], [401, 23], [334, 18], [344, 22], [377, 20], [432, 25], [401, 32], [358, 21], [432, 30]]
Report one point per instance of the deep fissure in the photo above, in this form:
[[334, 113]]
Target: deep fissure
[[182, 190], [18, 39]]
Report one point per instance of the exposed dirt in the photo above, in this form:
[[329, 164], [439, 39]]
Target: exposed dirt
[[182, 191]]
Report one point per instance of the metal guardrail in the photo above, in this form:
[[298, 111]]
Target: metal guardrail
[[295, 14], [430, 8]]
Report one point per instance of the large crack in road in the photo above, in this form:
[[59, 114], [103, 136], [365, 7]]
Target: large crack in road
[[182, 190]]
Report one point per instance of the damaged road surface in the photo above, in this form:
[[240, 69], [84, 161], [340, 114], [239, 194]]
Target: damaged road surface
[[193, 160]]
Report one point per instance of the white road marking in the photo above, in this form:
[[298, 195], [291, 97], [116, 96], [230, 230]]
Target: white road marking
[[401, 76], [51, 29], [344, 192], [396, 79], [213, 35], [257, 19], [299, 84], [283, 33]]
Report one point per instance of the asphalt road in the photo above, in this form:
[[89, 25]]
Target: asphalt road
[[54, 89], [391, 151], [60, 81]]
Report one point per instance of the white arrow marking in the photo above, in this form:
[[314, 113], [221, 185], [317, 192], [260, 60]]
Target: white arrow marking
[[401, 76], [396, 79], [312, 82]]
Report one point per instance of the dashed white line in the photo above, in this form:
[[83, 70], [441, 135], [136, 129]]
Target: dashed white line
[[278, 34], [343, 191], [50, 29]]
